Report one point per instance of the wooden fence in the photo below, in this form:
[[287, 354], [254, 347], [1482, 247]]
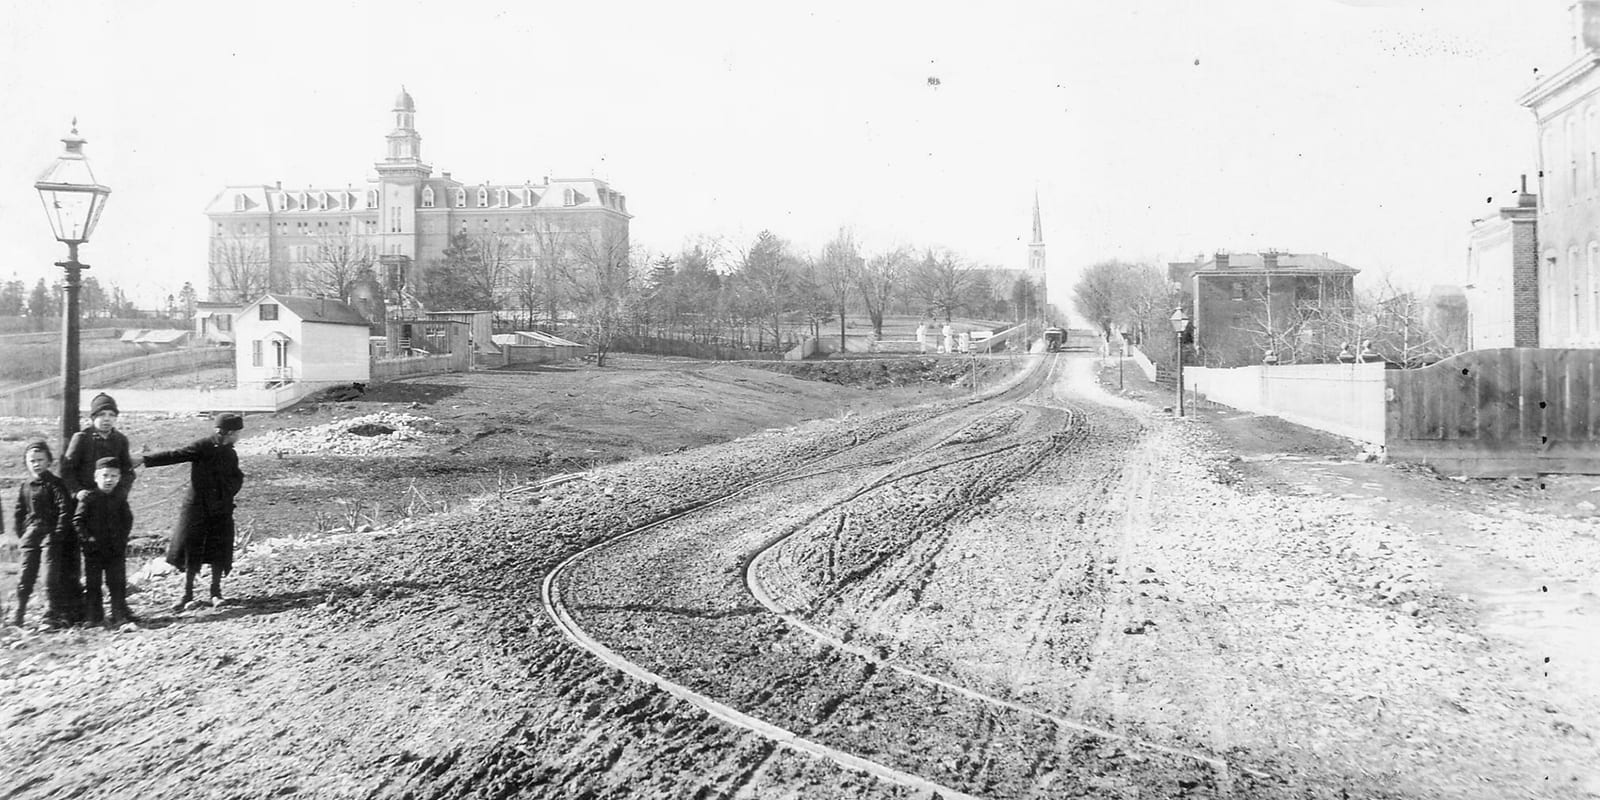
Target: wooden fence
[[1510, 411]]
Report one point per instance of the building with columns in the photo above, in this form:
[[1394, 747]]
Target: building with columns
[[1566, 108], [319, 239]]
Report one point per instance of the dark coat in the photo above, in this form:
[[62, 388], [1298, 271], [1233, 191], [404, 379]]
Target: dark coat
[[87, 447], [43, 514], [103, 522], [204, 531]]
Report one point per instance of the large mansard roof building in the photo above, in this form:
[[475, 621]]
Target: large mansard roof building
[[315, 239]]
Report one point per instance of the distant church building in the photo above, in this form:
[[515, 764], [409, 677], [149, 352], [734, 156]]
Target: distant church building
[[387, 230], [1036, 255]]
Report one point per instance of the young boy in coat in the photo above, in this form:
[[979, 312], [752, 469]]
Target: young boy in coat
[[98, 440], [103, 521], [204, 531], [42, 528]]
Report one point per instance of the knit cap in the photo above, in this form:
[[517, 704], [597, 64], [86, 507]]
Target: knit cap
[[103, 402]]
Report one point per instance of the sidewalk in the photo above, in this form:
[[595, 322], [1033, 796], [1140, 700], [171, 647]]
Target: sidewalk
[[1513, 564]]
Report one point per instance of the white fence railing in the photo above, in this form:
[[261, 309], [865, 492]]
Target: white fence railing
[[1343, 399]]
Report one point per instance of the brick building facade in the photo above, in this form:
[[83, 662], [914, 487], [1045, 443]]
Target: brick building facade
[[319, 239], [1566, 107], [1502, 285], [1244, 304]]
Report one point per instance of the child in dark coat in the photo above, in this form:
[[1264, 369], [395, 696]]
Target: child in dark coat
[[204, 531], [103, 521], [98, 440], [44, 536]]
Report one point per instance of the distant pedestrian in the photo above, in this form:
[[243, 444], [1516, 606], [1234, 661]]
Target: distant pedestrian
[[204, 531], [103, 521], [949, 339], [44, 536], [922, 338]]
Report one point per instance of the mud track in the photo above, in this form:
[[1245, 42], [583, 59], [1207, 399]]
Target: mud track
[[767, 608]]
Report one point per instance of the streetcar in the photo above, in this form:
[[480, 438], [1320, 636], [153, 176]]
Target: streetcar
[[1054, 338]]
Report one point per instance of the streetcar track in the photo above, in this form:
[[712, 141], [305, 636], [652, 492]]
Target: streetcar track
[[1028, 387]]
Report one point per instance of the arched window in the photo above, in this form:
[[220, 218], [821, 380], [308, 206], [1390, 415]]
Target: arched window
[[1570, 281], [280, 201], [501, 196], [239, 203], [569, 197], [1574, 144], [1550, 184], [372, 198], [483, 197], [461, 198], [427, 197], [1592, 276], [1547, 296]]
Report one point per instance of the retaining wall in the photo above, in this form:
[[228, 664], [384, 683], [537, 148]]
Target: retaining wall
[[1343, 399]]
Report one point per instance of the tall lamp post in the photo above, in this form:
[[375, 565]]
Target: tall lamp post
[[1180, 323], [73, 201]]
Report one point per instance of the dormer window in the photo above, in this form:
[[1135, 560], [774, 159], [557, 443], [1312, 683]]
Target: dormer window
[[280, 201], [322, 201], [461, 198], [533, 199], [304, 201], [427, 197], [483, 197], [502, 197], [372, 198], [239, 203], [569, 197]]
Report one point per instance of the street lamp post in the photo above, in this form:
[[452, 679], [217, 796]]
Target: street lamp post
[[73, 201], [1180, 323]]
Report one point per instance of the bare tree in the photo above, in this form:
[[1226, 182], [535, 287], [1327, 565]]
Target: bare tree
[[599, 281], [839, 272], [882, 278], [239, 268], [940, 282], [337, 258]]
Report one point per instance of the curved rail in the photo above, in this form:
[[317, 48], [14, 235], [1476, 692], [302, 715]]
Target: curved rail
[[556, 607]]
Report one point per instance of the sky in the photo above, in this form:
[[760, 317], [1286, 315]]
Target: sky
[[1371, 130]]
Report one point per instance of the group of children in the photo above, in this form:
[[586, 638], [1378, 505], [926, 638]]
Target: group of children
[[75, 526]]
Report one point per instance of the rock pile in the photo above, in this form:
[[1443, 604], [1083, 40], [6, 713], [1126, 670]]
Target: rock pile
[[384, 431]]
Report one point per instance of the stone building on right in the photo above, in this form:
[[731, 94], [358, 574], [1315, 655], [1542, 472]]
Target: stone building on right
[[1566, 107]]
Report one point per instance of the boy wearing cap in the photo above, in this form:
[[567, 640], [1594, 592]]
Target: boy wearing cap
[[43, 535], [103, 521], [204, 531], [99, 439]]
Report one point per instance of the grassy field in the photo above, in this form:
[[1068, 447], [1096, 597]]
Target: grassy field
[[26, 363]]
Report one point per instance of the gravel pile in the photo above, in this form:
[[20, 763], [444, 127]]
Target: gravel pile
[[385, 432]]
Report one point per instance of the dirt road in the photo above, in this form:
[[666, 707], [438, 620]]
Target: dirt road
[[1068, 594]]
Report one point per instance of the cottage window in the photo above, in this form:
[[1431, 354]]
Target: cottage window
[[269, 312], [255, 353], [224, 322]]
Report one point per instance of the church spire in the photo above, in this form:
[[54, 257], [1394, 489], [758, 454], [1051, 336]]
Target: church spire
[[1038, 229]]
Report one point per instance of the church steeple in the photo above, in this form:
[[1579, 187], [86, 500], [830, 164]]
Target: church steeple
[[1038, 229], [1036, 247]]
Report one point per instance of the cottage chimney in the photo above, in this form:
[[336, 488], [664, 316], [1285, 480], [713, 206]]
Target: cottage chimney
[[1524, 198], [445, 175], [1222, 259]]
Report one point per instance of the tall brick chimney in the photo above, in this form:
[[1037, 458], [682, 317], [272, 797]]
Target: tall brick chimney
[[1524, 268], [1222, 259]]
